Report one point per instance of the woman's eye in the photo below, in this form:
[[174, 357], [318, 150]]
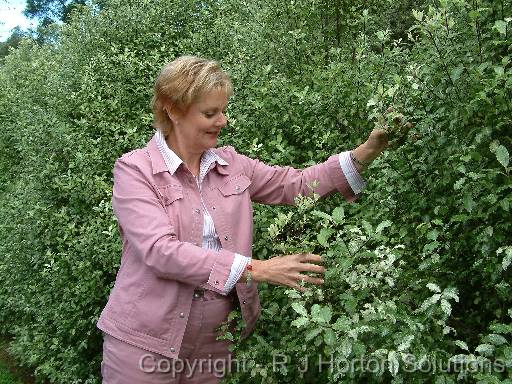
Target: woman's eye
[[209, 114]]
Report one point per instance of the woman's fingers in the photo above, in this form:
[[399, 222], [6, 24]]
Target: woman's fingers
[[310, 257], [312, 268]]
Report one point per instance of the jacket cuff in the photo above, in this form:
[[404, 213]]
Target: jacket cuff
[[220, 271], [237, 270], [339, 179], [351, 173]]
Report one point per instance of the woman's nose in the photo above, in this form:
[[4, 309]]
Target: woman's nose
[[222, 121]]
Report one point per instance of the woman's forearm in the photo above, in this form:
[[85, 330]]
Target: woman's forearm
[[363, 155]]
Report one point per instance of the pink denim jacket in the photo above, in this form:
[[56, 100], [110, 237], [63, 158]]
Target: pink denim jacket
[[160, 223]]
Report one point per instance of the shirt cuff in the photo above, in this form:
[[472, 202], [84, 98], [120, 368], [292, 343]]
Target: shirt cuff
[[353, 177], [237, 269]]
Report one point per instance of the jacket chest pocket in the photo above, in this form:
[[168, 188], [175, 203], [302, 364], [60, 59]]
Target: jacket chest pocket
[[171, 196], [236, 199], [235, 186]]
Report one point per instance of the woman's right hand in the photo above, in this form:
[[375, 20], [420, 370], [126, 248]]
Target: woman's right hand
[[286, 270]]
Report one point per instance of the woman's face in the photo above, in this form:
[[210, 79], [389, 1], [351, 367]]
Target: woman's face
[[198, 128]]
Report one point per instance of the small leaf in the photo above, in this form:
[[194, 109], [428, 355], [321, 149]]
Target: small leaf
[[312, 333], [451, 293], [322, 215], [321, 314], [338, 214], [496, 339], [367, 227], [502, 155], [324, 235], [507, 260], [300, 322], [382, 226], [458, 184], [346, 347], [342, 324], [393, 363], [329, 337], [500, 26], [457, 72], [446, 307], [299, 308], [485, 349], [406, 343], [468, 202], [462, 345], [500, 71], [418, 15], [434, 287]]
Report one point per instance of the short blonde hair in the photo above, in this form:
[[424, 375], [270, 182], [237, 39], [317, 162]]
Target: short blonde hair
[[182, 82]]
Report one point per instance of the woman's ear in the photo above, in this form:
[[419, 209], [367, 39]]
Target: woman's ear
[[172, 112]]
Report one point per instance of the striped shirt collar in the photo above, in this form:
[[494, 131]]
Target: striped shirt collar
[[173, 161]]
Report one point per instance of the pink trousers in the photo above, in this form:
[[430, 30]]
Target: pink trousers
[[202, 358]]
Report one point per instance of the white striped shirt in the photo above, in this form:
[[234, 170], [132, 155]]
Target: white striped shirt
[[210, 236]]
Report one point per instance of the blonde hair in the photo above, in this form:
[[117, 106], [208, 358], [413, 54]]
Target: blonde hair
[[181, 83]]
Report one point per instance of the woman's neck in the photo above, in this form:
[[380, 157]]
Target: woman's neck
[[192, 160]]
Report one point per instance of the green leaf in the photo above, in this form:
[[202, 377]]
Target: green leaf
[[338, 214], [485, 349], [299, 308], [418, 15], [496, 339], [501, 328], [329, 337], [321, 314], [500, 26], [324, 235], [469, 203], [393, 363], [500, 71], [322, 215], [456, 72], [382, 226], [502, 155], [312, 333], [346, 347], [342, 324], [434, 287], [507, 260], [462, 344], [446, 307], [300, 322], [367, 227]]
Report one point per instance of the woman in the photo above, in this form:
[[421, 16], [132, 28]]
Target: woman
[[185, 219]]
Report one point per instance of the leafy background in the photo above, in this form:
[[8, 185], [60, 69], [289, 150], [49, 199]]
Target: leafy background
[[418, 269]]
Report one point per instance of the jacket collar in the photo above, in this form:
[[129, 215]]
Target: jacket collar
[[156, 152], [157, 160]]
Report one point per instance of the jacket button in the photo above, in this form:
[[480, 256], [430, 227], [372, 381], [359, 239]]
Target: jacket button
[[172, 349], [198, 211], [226, 237], [182, 315], [214, 208], [243, 302], [216, 282], [237, 188]]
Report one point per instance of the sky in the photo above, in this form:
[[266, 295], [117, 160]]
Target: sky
[[11, 15]]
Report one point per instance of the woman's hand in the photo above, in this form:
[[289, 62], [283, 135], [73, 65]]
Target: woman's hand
[[286, 270], [371, 149], [377, 142]]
